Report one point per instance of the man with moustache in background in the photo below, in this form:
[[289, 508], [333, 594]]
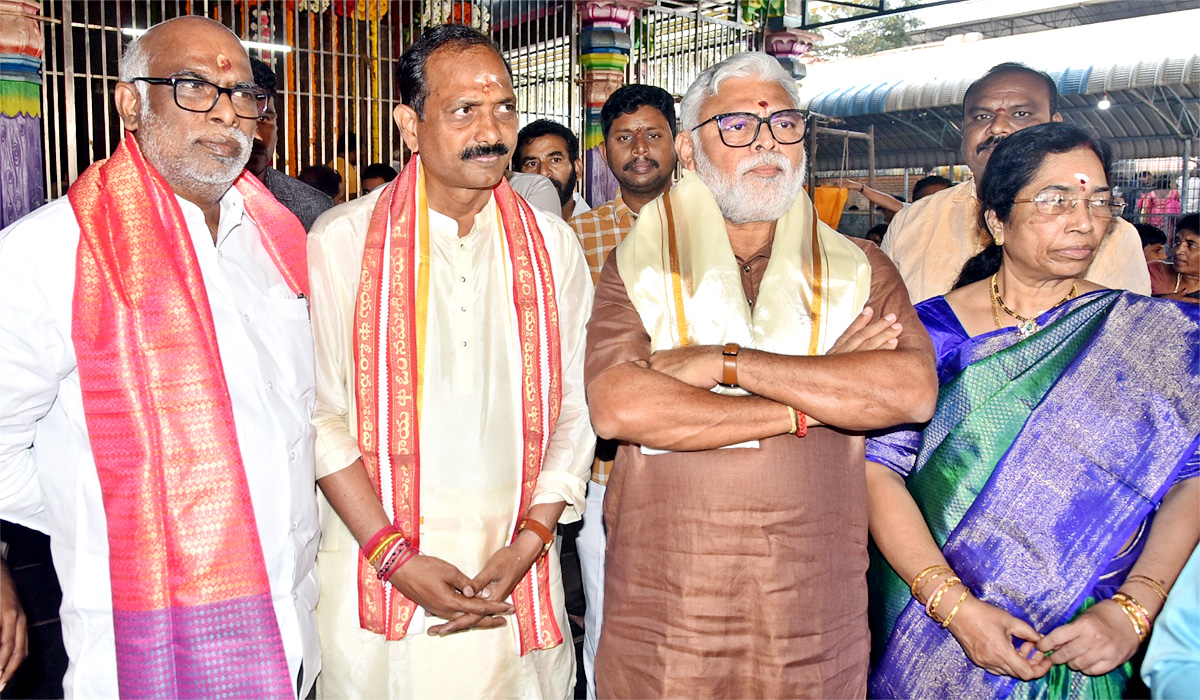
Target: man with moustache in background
[[155, 413], [931, 240]]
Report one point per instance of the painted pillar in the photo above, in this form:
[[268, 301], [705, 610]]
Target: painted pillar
[[21, 189], [604, 46]]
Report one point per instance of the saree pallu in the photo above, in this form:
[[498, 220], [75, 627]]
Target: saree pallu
[[1045, 456]]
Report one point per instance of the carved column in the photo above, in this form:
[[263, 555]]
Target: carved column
[[788, 45], [21, 189], [604, 46]]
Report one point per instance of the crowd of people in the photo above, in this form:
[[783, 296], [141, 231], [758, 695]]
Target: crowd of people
[[288, 446]]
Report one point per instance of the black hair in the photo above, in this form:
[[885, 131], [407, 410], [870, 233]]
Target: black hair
[[347, 143], [546, 127], [1190, 222], [381, 170], [929, 181], [1012, 68], [876, 233], [323, 178], [411, 74], [627, 99], [264, 77], [1150, 234], [1012, 166]]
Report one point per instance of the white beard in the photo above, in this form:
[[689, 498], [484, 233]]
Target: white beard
[[744, 198]]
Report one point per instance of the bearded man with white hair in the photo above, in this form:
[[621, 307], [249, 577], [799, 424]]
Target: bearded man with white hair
[[155, 412], [738, 348]]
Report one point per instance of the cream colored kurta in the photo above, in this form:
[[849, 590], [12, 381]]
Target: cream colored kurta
[[470, 453], [931, 240]]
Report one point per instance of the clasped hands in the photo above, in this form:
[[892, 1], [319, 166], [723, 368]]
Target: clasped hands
[[703, 365], [444, 591], [1094, 643]]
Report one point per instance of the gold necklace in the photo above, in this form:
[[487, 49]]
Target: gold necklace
[[1025, 326]]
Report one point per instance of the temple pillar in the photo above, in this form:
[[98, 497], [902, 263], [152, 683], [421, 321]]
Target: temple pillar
[[21, 188]]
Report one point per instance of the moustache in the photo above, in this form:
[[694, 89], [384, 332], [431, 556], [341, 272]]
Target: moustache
[[631, 164], [493, 149], [990, 142], [766, 158]]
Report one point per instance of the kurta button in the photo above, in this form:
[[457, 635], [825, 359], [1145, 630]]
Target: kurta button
[[745, 268], [292, 455], [270, 386], [462, 279], [464, 343], [246, 318]]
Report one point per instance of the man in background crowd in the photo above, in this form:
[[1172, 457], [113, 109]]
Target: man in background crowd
[[305, 201], [931, 240], [548, 148]]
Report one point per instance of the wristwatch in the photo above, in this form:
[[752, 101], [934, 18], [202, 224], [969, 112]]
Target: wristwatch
[[729, 374], [543, 533]]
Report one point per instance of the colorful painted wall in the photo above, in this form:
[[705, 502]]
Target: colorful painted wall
[[20, 109]]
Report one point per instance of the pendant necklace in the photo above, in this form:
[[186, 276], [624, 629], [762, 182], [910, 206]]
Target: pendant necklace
[[1025, 326]]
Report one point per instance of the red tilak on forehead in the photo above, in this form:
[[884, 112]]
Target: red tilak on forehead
[[762, 103], [1000, 110], [223, 62]]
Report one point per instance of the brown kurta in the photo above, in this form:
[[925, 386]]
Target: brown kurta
[[737, 572]]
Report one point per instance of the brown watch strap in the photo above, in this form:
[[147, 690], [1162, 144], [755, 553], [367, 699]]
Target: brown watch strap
[[540, 530], [730, 355]]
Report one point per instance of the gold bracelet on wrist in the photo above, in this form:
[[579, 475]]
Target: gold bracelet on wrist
[[1138, 617], [936, 599], [934, 571], [1149, 583], [954, 611]]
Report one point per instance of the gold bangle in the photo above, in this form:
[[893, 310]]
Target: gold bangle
[[795, 421], [954, 610], [935, 569], [383, 546], [1149, 583], [936, 600], [1137, 615]]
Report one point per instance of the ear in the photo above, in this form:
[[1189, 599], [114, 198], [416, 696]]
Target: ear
[[407, 121], [1056, 117], [579, 168], [686, 150], [128, 104], [604, 151], [995, 226]]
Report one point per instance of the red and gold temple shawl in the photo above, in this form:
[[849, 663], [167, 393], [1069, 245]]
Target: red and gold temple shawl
[[192, 609], [389, 353]]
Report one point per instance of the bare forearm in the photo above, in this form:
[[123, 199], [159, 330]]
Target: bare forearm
[[1171, 539], [353, 498], [649, 408], [854, 391], [897, 526]]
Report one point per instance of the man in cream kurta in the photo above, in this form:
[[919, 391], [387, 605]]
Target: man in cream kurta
[[470, 435], [931, 240]]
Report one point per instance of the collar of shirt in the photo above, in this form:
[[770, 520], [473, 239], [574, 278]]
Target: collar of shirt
[[622, 215], [966, 192], [232, 204]]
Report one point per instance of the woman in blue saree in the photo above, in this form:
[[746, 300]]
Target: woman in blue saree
[[1033, 528]]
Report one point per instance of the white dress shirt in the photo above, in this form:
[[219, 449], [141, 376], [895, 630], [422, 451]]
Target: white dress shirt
[[48, 478]]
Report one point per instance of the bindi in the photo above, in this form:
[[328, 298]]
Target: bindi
[[1083, 180], [762, 103], [223, 62], [1000, 110]]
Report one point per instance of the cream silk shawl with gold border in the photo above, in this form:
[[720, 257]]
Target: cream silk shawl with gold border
[[682, 277]]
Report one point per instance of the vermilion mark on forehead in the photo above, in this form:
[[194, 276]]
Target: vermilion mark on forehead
[[1000, 110], [762, 103], [223, 62]]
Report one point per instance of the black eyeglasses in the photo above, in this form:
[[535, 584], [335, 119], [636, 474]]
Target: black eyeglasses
[[787, 127], [197, 95]]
